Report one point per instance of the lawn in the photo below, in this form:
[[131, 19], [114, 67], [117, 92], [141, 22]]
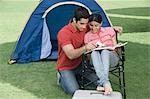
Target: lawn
[[131, 11], [37, 80]]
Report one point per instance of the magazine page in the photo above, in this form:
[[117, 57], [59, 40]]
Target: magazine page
[[120, 44], [108, 47]]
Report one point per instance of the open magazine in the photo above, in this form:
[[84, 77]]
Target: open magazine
[[108, 47]]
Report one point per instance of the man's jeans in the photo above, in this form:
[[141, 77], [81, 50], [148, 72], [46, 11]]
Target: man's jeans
[[102, 60], [69, 81]]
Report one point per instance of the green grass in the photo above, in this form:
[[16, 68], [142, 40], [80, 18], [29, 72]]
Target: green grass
[[13, 17], [131, 25], [138, 11], [37, 80], [119, 4], [137, 71]]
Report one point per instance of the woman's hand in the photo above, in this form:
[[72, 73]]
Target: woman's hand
[[99, 44], [90, 46], [118, 29]]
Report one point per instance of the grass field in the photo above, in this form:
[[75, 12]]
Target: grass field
[[131, 11], [37, 80]]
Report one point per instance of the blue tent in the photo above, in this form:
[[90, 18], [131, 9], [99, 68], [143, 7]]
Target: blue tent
[[39, 37]]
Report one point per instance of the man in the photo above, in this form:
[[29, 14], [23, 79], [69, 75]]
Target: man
[[70, 50]]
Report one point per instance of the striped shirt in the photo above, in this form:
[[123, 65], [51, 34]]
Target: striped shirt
[[104, 35]]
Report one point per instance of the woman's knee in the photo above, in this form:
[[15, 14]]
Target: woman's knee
[[105, 51], [94, 53]]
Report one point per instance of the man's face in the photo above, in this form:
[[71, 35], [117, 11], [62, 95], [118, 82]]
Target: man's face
[[81, 25]]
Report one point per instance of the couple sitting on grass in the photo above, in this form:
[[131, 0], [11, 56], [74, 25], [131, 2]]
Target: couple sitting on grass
[[80, 35]]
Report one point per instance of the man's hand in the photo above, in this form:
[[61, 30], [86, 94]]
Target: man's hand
[[73, 53]]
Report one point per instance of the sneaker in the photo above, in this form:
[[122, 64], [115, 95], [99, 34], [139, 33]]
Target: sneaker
[[58, 78], [10, 61]]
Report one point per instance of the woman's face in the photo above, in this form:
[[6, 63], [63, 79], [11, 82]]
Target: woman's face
[[94, 26]]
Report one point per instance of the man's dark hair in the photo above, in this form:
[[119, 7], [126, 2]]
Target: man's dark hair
[[81, 12], [95, 17]]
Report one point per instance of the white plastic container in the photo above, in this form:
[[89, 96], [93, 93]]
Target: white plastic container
[[93, 94]]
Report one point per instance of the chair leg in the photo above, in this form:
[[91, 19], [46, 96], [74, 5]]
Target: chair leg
[[124, 91], [122, 81], [117, 72]]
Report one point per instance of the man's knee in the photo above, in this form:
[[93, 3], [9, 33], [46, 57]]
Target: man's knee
[[69, 90], [68, 86], [72, 91]]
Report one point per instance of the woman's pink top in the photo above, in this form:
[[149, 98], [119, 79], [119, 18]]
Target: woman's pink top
[[104, 36]]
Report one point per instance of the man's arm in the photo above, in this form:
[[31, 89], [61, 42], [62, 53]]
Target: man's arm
[[73, 53]]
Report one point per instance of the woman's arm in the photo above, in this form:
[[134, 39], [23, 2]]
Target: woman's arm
[[118, 29], [114, 39]]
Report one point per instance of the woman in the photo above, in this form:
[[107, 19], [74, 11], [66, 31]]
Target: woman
[[102, 59]]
